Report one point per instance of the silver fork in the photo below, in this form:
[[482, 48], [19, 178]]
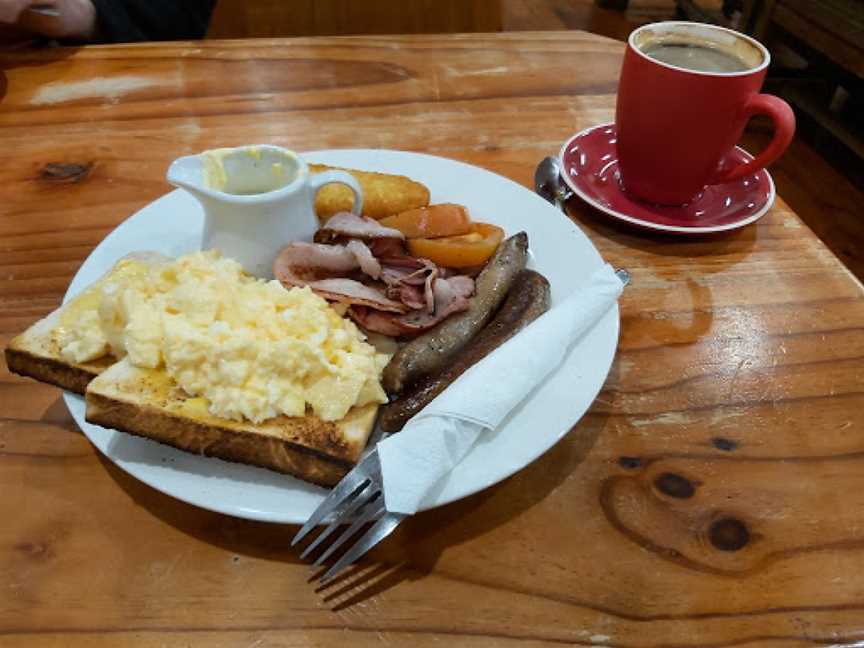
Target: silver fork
[[357, 500]]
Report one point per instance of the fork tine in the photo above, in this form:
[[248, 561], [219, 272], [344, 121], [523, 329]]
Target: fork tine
[[380, 530], [331, 504], [372, 511], [340, 492], [358, 499]]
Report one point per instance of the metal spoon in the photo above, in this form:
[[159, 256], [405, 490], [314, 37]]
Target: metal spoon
[[548, 183], [549, 186], [623, 276]]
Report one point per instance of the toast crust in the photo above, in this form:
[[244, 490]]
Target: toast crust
[[54, 371], [242, 446]]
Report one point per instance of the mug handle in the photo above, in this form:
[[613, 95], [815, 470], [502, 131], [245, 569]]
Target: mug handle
[[784, 128], [319, 180]]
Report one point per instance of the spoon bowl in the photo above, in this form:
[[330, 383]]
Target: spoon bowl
[[548, 183]]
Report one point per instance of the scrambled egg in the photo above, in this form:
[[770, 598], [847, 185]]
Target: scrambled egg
[[79, 333], [251, 348]]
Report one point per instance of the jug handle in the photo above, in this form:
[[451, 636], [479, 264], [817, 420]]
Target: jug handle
[[320, 180]]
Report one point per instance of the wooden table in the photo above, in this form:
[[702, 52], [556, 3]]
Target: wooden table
[[713, 495]]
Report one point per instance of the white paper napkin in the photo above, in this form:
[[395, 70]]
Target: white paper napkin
[[438, 437]]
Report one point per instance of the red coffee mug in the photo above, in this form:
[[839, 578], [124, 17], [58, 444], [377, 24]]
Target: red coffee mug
[[675, 124]]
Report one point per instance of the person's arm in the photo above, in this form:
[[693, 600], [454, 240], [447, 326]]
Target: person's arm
[[76, 19], [11, 10], [139, 20], [108, 21]]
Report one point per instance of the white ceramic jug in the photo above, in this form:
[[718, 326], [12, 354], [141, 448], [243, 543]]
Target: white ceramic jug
[[256, 199]]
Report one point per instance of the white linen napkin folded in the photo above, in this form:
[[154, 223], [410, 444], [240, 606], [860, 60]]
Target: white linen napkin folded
[[439, 436]]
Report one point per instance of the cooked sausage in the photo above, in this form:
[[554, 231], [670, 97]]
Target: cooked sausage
[[527, 300], [431, 351]]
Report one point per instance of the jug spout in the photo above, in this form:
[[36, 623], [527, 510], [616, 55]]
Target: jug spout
[[188, 173]]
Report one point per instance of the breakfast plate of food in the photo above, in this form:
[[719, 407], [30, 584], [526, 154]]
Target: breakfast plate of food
[[250, 395]]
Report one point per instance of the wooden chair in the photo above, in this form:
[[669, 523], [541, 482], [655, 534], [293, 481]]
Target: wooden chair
[[719, 11], [268, 18], [831, 28], [827, 88]]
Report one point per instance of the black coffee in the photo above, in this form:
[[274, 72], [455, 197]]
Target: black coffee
[[691, 56]]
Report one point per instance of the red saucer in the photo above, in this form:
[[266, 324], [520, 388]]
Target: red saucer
[[589, 166]]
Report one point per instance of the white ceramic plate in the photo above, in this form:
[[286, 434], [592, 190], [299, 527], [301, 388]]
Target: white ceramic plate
[[560, 251]]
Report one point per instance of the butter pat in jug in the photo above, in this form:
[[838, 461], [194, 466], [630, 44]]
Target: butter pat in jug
[[249, 170]]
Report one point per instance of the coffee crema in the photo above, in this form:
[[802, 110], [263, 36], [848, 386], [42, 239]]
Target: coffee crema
[[696, 57]]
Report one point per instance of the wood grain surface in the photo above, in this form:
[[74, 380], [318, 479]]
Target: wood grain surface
[[713, 495]]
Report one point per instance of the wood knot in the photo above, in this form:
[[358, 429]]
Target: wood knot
[[675, 486], [65, 172], [629, 462], [729, 534], [34, 550], [727, 445]]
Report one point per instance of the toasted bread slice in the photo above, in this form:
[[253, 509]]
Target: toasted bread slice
[[147, 403], [36, 353]]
